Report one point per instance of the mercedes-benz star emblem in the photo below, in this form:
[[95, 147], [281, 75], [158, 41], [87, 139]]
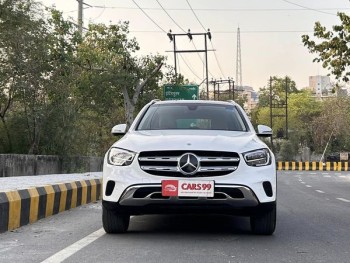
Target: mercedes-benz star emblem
[[188, 164]]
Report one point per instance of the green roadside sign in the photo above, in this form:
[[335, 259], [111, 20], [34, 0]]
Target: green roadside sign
[[181, 92]]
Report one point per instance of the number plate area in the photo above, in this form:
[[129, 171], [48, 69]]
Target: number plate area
[[182, 188]]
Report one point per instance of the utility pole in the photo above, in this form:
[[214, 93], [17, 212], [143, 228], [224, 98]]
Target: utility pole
[[279, 104], [271, 109], [80, 16], [230, 91], [286, 108], [190, 35]]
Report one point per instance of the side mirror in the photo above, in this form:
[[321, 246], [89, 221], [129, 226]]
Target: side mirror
[[264, 131], [119, 129]]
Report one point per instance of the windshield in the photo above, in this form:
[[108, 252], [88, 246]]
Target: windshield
[[192, 116]]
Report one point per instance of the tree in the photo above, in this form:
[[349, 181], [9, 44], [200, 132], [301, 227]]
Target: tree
[[23, 62], [331, 47], [333, 122], [107, 54], [278, 90]]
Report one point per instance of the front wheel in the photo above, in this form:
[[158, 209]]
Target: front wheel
[[113, 222], [264, 223]]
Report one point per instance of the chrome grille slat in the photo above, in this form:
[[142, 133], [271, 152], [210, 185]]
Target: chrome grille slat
[[160, 159], [160, 168], [217, 168], [211, 163], [218, 159]]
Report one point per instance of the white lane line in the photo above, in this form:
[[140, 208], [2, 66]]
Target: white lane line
[[74, 248], [312, 173], [308, 185], [319, 191], [344, 200], [325, 173], [326, 176], [341, 176], [302, 182]]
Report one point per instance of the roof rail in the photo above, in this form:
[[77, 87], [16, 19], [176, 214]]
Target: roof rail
[[154, 101]]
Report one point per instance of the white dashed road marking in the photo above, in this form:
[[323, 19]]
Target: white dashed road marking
[[302, 182], [326, 176], [308, 185], [342, 176], [344, 200], [74, 248], [319, 191]]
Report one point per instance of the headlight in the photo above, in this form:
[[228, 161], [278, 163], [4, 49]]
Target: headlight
[[120, 157], [258, 157]]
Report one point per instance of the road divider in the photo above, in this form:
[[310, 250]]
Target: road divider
[[312, 166], [26, 206]]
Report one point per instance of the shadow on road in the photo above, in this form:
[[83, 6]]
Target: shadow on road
[[215, 224]]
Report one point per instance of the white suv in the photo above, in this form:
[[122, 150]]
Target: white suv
[[190, 156]]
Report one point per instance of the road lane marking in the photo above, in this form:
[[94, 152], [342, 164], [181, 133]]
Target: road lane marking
[[302, 182], [324, 173], [344, 200], [308, 185], [326, 176], [319, 191], [312, 173], [74, 248], [342, 176]]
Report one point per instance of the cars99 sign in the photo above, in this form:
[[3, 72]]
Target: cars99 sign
[[194, 188]]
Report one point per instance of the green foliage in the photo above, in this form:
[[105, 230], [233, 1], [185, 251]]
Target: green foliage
[[278, 90], [60, 92], [287, 151], [331, 47]]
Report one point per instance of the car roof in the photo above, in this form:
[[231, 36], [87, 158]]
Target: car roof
[[231, 102]]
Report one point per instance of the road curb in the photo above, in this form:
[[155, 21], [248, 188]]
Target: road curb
[[312, 166], [26, 206]]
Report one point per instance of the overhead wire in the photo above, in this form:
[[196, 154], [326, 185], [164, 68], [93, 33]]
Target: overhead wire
[[184, 32], [235, 32], [229, 9], [216, 58], [170, 16], [308, 8], [189, 66], [150, 18]]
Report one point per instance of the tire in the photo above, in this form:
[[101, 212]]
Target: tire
[[114, 222], [265, 223]]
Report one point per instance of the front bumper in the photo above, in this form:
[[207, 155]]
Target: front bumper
[[228, 199], [190, 208]]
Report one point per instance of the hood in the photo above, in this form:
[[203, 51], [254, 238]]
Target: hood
[[210, 140]]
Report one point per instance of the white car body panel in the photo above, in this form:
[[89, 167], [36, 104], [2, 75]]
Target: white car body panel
[[190, 140]]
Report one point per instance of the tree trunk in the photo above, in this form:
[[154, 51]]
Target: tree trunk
[[129, 108], [130, 104], [9, 146]]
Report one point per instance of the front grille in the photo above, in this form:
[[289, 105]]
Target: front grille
[[211, 163]]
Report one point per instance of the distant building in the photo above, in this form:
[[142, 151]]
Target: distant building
[[320, 85], [251, 96]]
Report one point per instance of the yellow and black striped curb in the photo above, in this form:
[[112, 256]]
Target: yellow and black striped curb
[[312, 166], [22, 207]]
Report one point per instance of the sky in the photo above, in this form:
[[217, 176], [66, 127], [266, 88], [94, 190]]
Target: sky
[[270, 33]]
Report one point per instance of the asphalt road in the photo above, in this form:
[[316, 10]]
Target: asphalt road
[[313, 226]]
